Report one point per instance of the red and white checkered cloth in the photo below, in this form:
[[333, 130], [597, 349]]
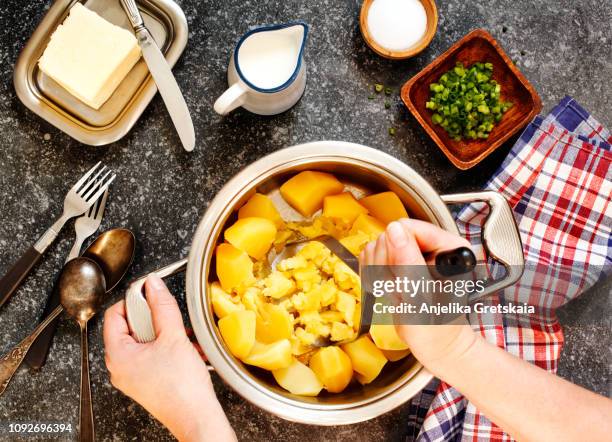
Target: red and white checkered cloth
[[558, 180]]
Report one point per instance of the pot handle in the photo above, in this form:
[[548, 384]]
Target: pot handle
[[500, 235], [136, 307], [138, 311]]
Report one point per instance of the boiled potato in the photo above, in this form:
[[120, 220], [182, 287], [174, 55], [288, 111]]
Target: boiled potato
[[238, 331], [270, 356], [343, 206], [367, 224], [278, 285], [297, 378], [234, 267], [306, 190], [222, 302], [364, 380], [273, 324], [261, 206], [333, 367], [367, 359], [385, 206], [346, 304], [395, 355], [355, 243], [385, 337], [252, 235]]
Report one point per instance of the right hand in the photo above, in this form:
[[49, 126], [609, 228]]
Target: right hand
[[167, 376], [404, 243]]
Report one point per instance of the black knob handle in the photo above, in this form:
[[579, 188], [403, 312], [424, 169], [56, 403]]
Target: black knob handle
[[455, 262]]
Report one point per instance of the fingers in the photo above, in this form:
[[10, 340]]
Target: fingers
[[402, 247], [115, 330], [164, 308], [380, 251], [431, 238], [367, 256]]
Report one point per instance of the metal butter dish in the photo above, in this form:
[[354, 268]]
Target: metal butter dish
[[168, 26]]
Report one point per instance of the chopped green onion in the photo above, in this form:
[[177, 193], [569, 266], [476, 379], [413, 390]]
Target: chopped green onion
[[466, 102], [378, 88]]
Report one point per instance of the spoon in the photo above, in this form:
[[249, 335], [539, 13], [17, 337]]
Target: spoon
[[82, 286], [91, 281], [113, 251]]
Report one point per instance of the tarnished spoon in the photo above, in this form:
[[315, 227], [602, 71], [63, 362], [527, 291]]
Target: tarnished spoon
[[90, 281], [113, 251], [82, 287]]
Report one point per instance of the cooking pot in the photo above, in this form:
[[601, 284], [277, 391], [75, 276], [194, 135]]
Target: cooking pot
[[363, 170]]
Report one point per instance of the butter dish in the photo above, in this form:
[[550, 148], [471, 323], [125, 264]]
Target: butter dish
[[117, 115]]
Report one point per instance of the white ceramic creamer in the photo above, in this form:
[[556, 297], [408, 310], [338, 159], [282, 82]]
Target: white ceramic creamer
[[266, 73]]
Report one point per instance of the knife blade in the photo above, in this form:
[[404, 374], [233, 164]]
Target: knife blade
[[163, 77]]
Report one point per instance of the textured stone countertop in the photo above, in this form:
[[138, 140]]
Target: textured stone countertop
[[563, 47]]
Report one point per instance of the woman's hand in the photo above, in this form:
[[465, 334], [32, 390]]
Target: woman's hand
[[524, 400], [404, 243], [167, 376]]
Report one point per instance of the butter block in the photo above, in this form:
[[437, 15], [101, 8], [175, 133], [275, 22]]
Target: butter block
[[89, 56]]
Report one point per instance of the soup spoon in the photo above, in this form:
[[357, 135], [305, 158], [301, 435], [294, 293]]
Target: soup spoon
[[85, 277], [82, 287], [113, 251]]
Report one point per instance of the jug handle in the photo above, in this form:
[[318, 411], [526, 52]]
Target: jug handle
[[232, 98]]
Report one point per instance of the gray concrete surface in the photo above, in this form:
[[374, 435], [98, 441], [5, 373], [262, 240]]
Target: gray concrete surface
[[563, 47]]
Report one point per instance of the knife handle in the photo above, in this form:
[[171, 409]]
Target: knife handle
[[17, 273], [39, 350], [131, 9]]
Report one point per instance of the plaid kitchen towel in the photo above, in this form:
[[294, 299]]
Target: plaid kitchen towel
[[557, 178]]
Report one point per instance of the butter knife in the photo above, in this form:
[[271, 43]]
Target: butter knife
[[162, 75]]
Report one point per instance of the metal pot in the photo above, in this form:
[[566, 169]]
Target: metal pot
[[362, 168]]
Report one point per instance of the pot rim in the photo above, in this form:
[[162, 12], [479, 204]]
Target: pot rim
[[197, 274]]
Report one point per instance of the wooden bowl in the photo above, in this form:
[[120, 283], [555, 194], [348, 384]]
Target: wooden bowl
[[432, 24], [476, 46]]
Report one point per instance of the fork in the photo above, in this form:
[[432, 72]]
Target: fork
[[84, 227], [78, 200]]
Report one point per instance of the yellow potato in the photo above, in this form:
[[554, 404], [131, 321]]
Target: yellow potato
[[395, 355], [364, 380], [297, 378], [333, 367], [306, 190], [367, 359], [346, 304], [262, 207], [343, 206], [252, 235], [355, 243], [234, 267], [367, 224], [278, 286], [385, 337], [273, 324], [341, 332], [222, 302], [385, 206], [238, 331], [270, 356]]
